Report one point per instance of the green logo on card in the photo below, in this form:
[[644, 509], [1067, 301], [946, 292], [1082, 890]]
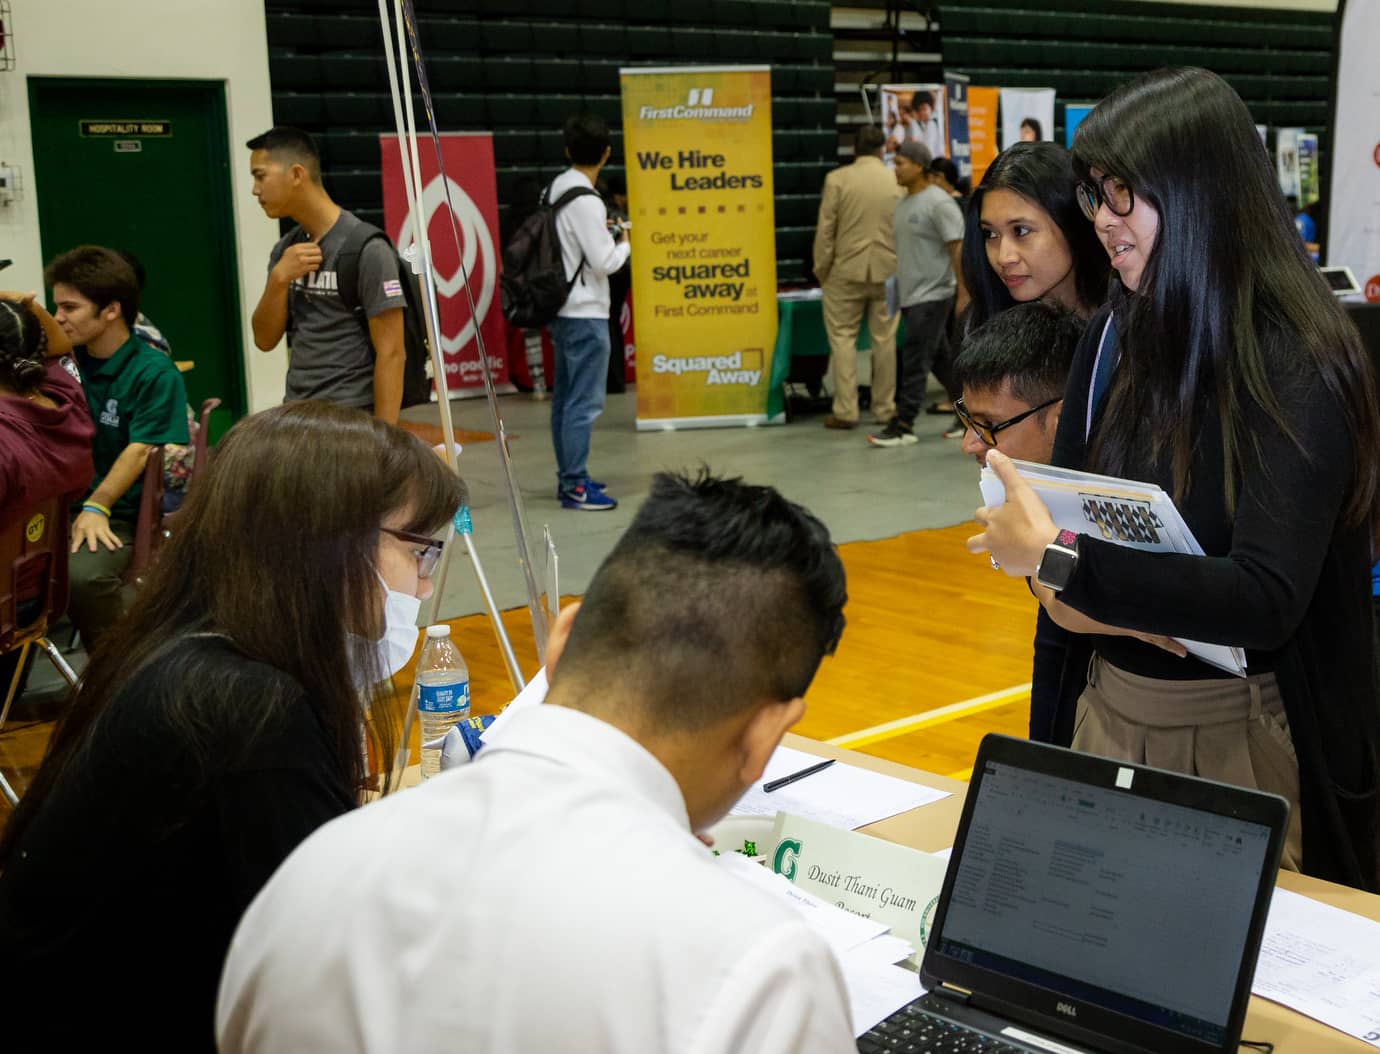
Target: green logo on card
[[786, 854]]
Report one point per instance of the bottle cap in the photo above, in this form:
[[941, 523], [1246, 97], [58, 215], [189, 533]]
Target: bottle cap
[[438, 630]]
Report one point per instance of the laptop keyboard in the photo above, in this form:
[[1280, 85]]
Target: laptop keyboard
[[913, 1030]]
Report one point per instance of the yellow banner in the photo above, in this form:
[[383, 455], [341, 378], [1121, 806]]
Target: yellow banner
[[697, 146]]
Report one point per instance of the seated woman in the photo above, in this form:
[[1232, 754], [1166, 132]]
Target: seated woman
[[45, 427], [219, 723]]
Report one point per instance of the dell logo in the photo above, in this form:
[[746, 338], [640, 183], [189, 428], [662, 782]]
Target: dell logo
[[1067, 1009]]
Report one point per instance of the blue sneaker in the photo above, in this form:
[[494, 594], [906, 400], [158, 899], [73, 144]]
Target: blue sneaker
[[587, 498], [593, 483]]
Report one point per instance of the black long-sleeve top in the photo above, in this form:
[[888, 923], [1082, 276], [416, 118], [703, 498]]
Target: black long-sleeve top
[[118, 903], [1285, 578]]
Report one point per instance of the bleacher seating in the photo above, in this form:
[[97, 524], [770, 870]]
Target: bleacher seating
[[1278, 60], [519, 68]]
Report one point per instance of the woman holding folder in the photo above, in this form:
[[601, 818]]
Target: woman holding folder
[[1223, 370]]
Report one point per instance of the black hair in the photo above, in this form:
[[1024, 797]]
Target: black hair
[[1042, 173], [23, 345], [919, 97], [290, 146], [719, 596], [1028, 347], [1035, 126], [586, 138], [616, 183], [869, 140], [945, 168], [99, 274], [1227, 292]]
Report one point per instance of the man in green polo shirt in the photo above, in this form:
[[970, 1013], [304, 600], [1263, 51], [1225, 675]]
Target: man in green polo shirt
[[137, 400]]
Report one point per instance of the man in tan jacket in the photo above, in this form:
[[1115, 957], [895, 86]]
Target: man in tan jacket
[[855, 253]]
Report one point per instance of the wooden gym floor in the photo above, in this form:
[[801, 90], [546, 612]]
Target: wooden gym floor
[[936, 654]]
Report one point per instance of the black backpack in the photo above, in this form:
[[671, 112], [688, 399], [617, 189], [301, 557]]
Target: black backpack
[[416, 343], [533, 285]]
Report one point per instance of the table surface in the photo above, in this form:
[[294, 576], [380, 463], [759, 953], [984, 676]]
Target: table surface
[[932, 827]]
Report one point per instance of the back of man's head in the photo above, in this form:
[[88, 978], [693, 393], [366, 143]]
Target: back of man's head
[[586, 138], [718, 597], [290, 146], [99, 274], [1029, 347], [869, 141]]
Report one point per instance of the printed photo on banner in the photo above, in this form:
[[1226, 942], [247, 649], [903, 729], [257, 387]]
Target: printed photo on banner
[[914, 113], [1027, 115]]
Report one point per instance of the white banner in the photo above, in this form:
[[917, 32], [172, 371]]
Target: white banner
[[1354, 199], [1035, 105], [1287, 161]]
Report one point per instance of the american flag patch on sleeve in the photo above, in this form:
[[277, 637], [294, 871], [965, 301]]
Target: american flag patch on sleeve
[[392, 287]]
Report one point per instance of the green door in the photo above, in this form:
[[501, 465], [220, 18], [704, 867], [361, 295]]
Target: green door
[[144, 166]]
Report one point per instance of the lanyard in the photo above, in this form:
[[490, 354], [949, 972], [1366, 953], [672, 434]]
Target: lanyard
[[1108, 355]]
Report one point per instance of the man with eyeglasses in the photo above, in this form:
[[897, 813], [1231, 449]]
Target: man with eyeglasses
[[1012, 372]]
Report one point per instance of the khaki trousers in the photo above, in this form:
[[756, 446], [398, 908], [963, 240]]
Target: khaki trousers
[[845, 304], [1230, 730]]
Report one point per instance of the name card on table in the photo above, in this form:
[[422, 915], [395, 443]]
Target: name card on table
[[876, 879]]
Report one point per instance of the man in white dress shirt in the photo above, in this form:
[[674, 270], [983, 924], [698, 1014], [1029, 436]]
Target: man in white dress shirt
[[552, 895]]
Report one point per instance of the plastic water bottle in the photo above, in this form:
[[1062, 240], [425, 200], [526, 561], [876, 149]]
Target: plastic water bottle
[[443, 693]]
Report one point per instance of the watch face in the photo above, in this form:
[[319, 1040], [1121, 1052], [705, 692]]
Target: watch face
[[1056, 567]]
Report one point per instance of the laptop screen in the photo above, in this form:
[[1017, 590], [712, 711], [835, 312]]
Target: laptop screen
[[1135, 905]]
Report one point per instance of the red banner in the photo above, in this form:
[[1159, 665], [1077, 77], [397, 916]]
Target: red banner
[[469, 159]]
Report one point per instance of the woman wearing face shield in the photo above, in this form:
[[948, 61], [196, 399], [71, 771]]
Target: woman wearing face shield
[[221, 721]]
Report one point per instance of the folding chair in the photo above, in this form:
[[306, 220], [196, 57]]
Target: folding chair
[[33, 593]]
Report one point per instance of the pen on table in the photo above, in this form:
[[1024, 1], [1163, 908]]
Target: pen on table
[[784, 780]]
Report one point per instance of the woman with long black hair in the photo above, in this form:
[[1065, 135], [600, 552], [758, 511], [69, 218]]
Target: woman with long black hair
[[1223, 370], [1025, 237]]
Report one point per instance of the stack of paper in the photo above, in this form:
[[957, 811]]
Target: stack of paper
[[1323, 962], [1121, 511], [866, 951], [842, 795]]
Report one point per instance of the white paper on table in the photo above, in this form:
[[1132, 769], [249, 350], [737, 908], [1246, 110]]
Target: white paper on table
[[531, 695], [943, 854], [887, 950], [1323, 962], [842, 795], [841, 930], [876, 990]]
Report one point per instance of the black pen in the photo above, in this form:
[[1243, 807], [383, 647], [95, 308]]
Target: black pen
[[784, 780]]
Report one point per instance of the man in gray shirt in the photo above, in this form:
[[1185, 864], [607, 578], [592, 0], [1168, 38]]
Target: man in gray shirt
[[929, 235], [333, 353]]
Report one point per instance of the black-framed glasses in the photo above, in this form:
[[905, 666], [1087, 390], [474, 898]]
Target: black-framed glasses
[[1110, 191], [428, 551], [988, 433]]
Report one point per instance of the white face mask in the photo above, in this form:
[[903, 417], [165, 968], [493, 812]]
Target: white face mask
[[399, 640]]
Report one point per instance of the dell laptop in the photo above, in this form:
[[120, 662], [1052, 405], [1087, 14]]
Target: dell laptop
[[1093, 906]]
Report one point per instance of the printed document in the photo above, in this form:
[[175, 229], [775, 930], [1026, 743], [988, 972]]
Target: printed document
[[1323, 962], [1121, 511]]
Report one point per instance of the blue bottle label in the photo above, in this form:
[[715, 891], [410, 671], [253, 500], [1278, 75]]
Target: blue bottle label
[[444, 698]]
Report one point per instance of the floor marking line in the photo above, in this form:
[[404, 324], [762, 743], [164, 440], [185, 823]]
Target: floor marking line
[[914, 722]]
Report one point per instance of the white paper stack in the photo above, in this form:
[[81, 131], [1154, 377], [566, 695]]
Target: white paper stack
[[865, 949]]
